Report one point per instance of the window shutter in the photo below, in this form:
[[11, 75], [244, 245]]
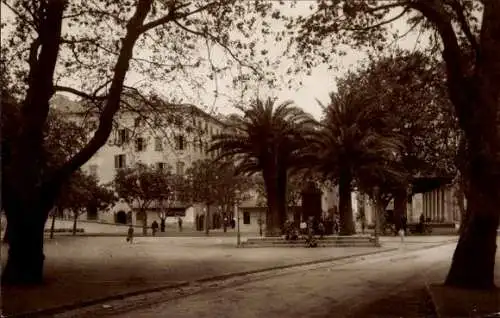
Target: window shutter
[[117, 161]]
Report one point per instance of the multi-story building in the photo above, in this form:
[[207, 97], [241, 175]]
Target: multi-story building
[[170, 137]]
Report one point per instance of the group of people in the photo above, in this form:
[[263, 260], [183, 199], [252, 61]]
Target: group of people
[[154, 229]]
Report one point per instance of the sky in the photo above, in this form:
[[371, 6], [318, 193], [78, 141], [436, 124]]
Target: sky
[[315, 87]]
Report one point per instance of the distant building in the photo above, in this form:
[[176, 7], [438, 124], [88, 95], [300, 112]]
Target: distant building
[[172, 137]]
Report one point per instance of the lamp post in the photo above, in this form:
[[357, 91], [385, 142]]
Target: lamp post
[[376, 191], [237, 212]]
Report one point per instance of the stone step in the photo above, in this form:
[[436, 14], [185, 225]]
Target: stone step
[[304, 242], [331, 237], [325, 239], [305, 245]]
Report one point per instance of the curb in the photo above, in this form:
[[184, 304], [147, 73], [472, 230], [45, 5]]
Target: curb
[[91, 302]]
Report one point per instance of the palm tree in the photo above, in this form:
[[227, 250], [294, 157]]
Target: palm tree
[[265, 140], [354, 144]]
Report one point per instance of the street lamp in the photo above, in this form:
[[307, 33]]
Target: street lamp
[[376, 191], [237, 212]]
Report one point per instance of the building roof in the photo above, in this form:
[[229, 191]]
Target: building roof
[[68, 106]]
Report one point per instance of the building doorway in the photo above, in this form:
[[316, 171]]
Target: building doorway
[[121, 217]]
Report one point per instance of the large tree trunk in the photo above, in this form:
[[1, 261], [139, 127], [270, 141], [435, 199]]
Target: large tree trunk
[[282, 197], [75, 218], [400, 206], [473, 262], [207, 219], [273, 217], [25, 256], [345, 203], [475, 95]]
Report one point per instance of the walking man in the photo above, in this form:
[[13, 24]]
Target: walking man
[[130, 234], [154, 227], [179, 222]]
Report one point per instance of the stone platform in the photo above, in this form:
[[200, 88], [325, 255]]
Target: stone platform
[[326, 241]]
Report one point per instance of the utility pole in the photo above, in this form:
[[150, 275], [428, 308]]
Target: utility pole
[[376, 191], [237, 212]]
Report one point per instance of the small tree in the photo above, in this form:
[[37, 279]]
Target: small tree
[[215, 183], [140, 186], [81, 193], [174, 192]]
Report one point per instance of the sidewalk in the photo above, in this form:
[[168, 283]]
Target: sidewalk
[[82, 269]]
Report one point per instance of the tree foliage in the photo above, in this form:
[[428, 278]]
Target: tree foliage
[[216, 183], [83, 192]]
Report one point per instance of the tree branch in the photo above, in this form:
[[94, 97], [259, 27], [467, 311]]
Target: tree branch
[[112, 106], [216, 40], [464, 25], [402, 13], [452, 53], [170, 16], [78, 92], [20, 16]]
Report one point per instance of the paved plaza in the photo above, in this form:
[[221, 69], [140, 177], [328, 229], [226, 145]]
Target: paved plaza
[[85, 268]]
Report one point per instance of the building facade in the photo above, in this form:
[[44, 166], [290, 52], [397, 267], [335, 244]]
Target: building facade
[[170, 139]]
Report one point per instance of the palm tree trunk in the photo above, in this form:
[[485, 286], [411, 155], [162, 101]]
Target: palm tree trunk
[[345, 203], [282, 197], [207, 220], [75, 217], [400, 205], [273, 211]]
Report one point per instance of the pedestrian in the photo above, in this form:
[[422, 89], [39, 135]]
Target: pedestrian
[[404, 224], [225, 224], [303, 227], [179, 222], [321, 228], [154, 227], [130, 234]]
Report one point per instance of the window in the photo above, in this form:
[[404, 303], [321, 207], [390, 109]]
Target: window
[[140, 144], [178, 121], [137, 122], [122, 137], [179, 142], [180, 168], [120, 162], [161, 166], [246, 217], [93, 170], [93, 124], [158, 144]]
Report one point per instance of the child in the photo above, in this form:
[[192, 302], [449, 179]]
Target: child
[[130, 234]]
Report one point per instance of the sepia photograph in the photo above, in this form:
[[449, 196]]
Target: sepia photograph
[[250, 158]]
